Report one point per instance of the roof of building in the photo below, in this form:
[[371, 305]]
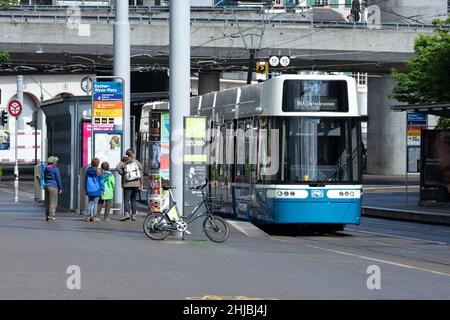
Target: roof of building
[[437, 109]]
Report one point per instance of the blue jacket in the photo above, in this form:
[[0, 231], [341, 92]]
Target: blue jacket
[[93, 184], [52, 177]]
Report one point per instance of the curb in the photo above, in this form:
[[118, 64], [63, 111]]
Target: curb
[[412, 216]]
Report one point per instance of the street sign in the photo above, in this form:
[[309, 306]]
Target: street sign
[[262, 67], [15, 108], [274, 61], [285, 61], [107, 98]]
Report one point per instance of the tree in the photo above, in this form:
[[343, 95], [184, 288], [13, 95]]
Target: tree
[[428, 78], [5, 4], [4, 56]]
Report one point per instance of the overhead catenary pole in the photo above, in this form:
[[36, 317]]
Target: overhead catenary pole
[[16, 165], [122, 61], [122, 70], [179, 87]]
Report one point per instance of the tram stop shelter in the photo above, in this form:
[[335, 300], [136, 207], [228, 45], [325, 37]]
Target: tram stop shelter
[[434, 161]]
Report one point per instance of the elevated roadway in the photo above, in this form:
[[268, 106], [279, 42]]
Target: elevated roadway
[[66, 41]]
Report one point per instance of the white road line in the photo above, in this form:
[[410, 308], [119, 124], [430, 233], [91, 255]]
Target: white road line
[[399, 237], [381, 188], [365, 257], [238, 227], [384, 244]]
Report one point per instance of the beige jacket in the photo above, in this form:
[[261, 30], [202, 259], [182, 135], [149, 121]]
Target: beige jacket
[[121, 169]]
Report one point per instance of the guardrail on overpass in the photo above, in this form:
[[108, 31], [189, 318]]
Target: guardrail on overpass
[[24, 17]]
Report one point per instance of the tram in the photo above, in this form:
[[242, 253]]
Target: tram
[[286, 151]]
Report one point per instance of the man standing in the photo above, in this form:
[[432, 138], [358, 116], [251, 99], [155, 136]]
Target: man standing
[[53, 187], [132, 175]]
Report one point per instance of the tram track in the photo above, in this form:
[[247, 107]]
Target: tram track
[[413, 253]]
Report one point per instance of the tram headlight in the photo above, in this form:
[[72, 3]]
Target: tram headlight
[[293, 193], [346, 193], [286, 193], [341, 194], [279, 193], [352, 194]]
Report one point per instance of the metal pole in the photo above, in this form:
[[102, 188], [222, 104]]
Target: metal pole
[[16, 166], [122, 70], [251, 63], [180, 84]]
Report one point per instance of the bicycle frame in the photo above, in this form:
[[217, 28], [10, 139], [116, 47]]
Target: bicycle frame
[[189, 219]]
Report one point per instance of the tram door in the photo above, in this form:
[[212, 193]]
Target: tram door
[[245, 164]]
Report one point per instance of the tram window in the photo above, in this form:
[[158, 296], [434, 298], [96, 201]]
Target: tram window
[[320, 149], [240, 151], [315, 96]]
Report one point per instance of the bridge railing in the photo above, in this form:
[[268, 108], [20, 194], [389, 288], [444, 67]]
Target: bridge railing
[[25, 17]]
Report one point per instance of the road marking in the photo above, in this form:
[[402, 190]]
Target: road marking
[[365, 257], [21, 193], [384, 244], [399, 237], [389, 187]]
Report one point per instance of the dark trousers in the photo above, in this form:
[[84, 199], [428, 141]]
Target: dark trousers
[[130, 195], [51, 201], [107, 207]]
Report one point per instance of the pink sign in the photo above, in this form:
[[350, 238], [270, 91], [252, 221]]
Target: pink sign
[[87, 143]]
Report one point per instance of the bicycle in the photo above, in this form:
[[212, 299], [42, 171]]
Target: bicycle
[[158, 225]]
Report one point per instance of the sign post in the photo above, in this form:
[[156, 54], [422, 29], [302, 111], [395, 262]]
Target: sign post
[[108, 124], [15, 109], [194, 170], [415, 123]]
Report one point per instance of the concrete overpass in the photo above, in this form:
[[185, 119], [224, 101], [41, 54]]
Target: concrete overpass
[[220, 40], [63, 42]]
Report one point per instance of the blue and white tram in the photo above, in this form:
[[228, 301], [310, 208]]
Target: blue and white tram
[[286, 151]]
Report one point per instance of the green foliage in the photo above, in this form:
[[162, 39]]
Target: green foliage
[[5, 4], [4, 56], [443, 124], [428, 78]]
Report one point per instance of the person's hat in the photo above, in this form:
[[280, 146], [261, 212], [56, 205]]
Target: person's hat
[[52, 160]]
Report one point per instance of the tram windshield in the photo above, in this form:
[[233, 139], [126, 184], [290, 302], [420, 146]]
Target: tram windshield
[[316, 150]]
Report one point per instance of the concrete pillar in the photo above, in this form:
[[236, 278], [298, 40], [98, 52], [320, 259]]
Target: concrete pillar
[[386, 132], [208, 81]]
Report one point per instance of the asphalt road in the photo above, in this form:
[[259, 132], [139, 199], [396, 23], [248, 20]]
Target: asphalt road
[[117, 261]]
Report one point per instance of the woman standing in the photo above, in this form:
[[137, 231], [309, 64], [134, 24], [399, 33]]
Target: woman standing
[[109, 184], [94, 188], [53, 187]]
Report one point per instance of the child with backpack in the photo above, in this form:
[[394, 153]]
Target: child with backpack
[[107, 195], [94, 188]]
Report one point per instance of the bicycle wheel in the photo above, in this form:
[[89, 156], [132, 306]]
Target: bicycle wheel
[[149, 227], [216, 228]]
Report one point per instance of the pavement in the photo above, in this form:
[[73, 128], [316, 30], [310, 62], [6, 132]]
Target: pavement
[[386, 197], [116, 260]]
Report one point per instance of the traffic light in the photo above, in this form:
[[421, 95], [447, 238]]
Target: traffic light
[[33, 122], [4, 118]]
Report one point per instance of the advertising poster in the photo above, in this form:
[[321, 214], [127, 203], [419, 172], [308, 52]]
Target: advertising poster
[[436, 155], [154, 193], [155, 127], [108, 147], [194, 167], [87, 143], [154, 157], [165, 127], [5, 140]]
